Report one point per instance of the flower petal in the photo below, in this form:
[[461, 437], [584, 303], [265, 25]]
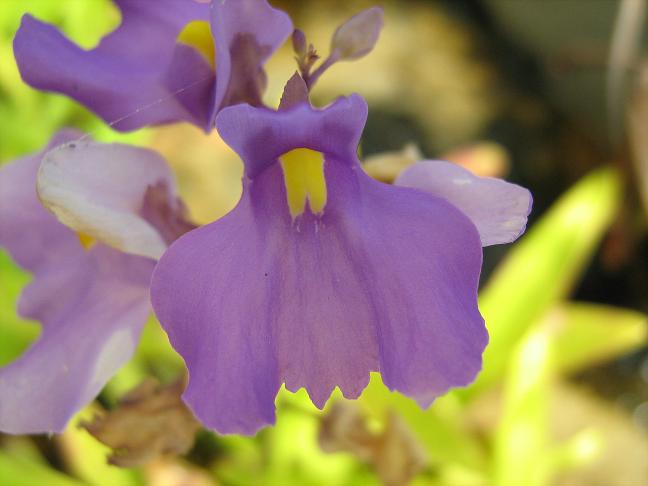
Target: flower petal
[[128, 75], [99, 190], [246, 33], [101, 304], [295, 92], [233, 368], [259, 136], [21, 212], [497, 208], [386, 279]]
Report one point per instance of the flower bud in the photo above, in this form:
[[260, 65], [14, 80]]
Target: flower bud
[[357, 36], [299, 43]]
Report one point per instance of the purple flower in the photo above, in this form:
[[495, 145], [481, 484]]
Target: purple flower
[[91, 299], [321, 274], [168, 61]]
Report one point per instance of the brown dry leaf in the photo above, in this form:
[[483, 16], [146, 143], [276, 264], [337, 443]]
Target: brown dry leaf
[[150, 421], [393, 452]]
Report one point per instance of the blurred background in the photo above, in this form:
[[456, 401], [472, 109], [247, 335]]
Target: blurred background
[[550, 94]]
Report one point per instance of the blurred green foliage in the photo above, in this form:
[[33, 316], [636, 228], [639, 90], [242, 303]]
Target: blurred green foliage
[[537, 337]]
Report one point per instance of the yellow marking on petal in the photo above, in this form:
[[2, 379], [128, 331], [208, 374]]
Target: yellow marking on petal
[[303, 171], [87, 242], [197, 34]]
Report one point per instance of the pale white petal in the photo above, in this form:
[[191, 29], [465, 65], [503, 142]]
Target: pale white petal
[[98, 190], [497, 208]]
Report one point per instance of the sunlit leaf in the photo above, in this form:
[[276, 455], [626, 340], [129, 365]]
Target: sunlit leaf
[[16, 332], [457, 476], [521, 453], [294, 451], [587, 334], [17, 469]]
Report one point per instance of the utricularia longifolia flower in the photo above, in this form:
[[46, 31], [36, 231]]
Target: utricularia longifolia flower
[[91, 298], [168, 61], [319, 276]]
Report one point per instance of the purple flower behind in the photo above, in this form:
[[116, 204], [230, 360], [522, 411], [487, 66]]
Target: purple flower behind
[[362, 277], [92, 301], [146, 73]]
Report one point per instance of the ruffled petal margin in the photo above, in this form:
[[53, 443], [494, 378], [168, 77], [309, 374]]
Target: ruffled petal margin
[[385, 280]]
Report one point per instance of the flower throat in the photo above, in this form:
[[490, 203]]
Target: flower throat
[[303, 171]]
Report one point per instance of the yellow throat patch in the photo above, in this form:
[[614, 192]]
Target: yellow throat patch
[[197, 34], [86, 241], [303, 171]]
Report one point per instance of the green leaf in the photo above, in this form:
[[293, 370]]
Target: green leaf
[[578, 451], [17, 333], [19, 468], [86, 457], [543, 267], [294, 451], [588, 334], [521, 454]]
